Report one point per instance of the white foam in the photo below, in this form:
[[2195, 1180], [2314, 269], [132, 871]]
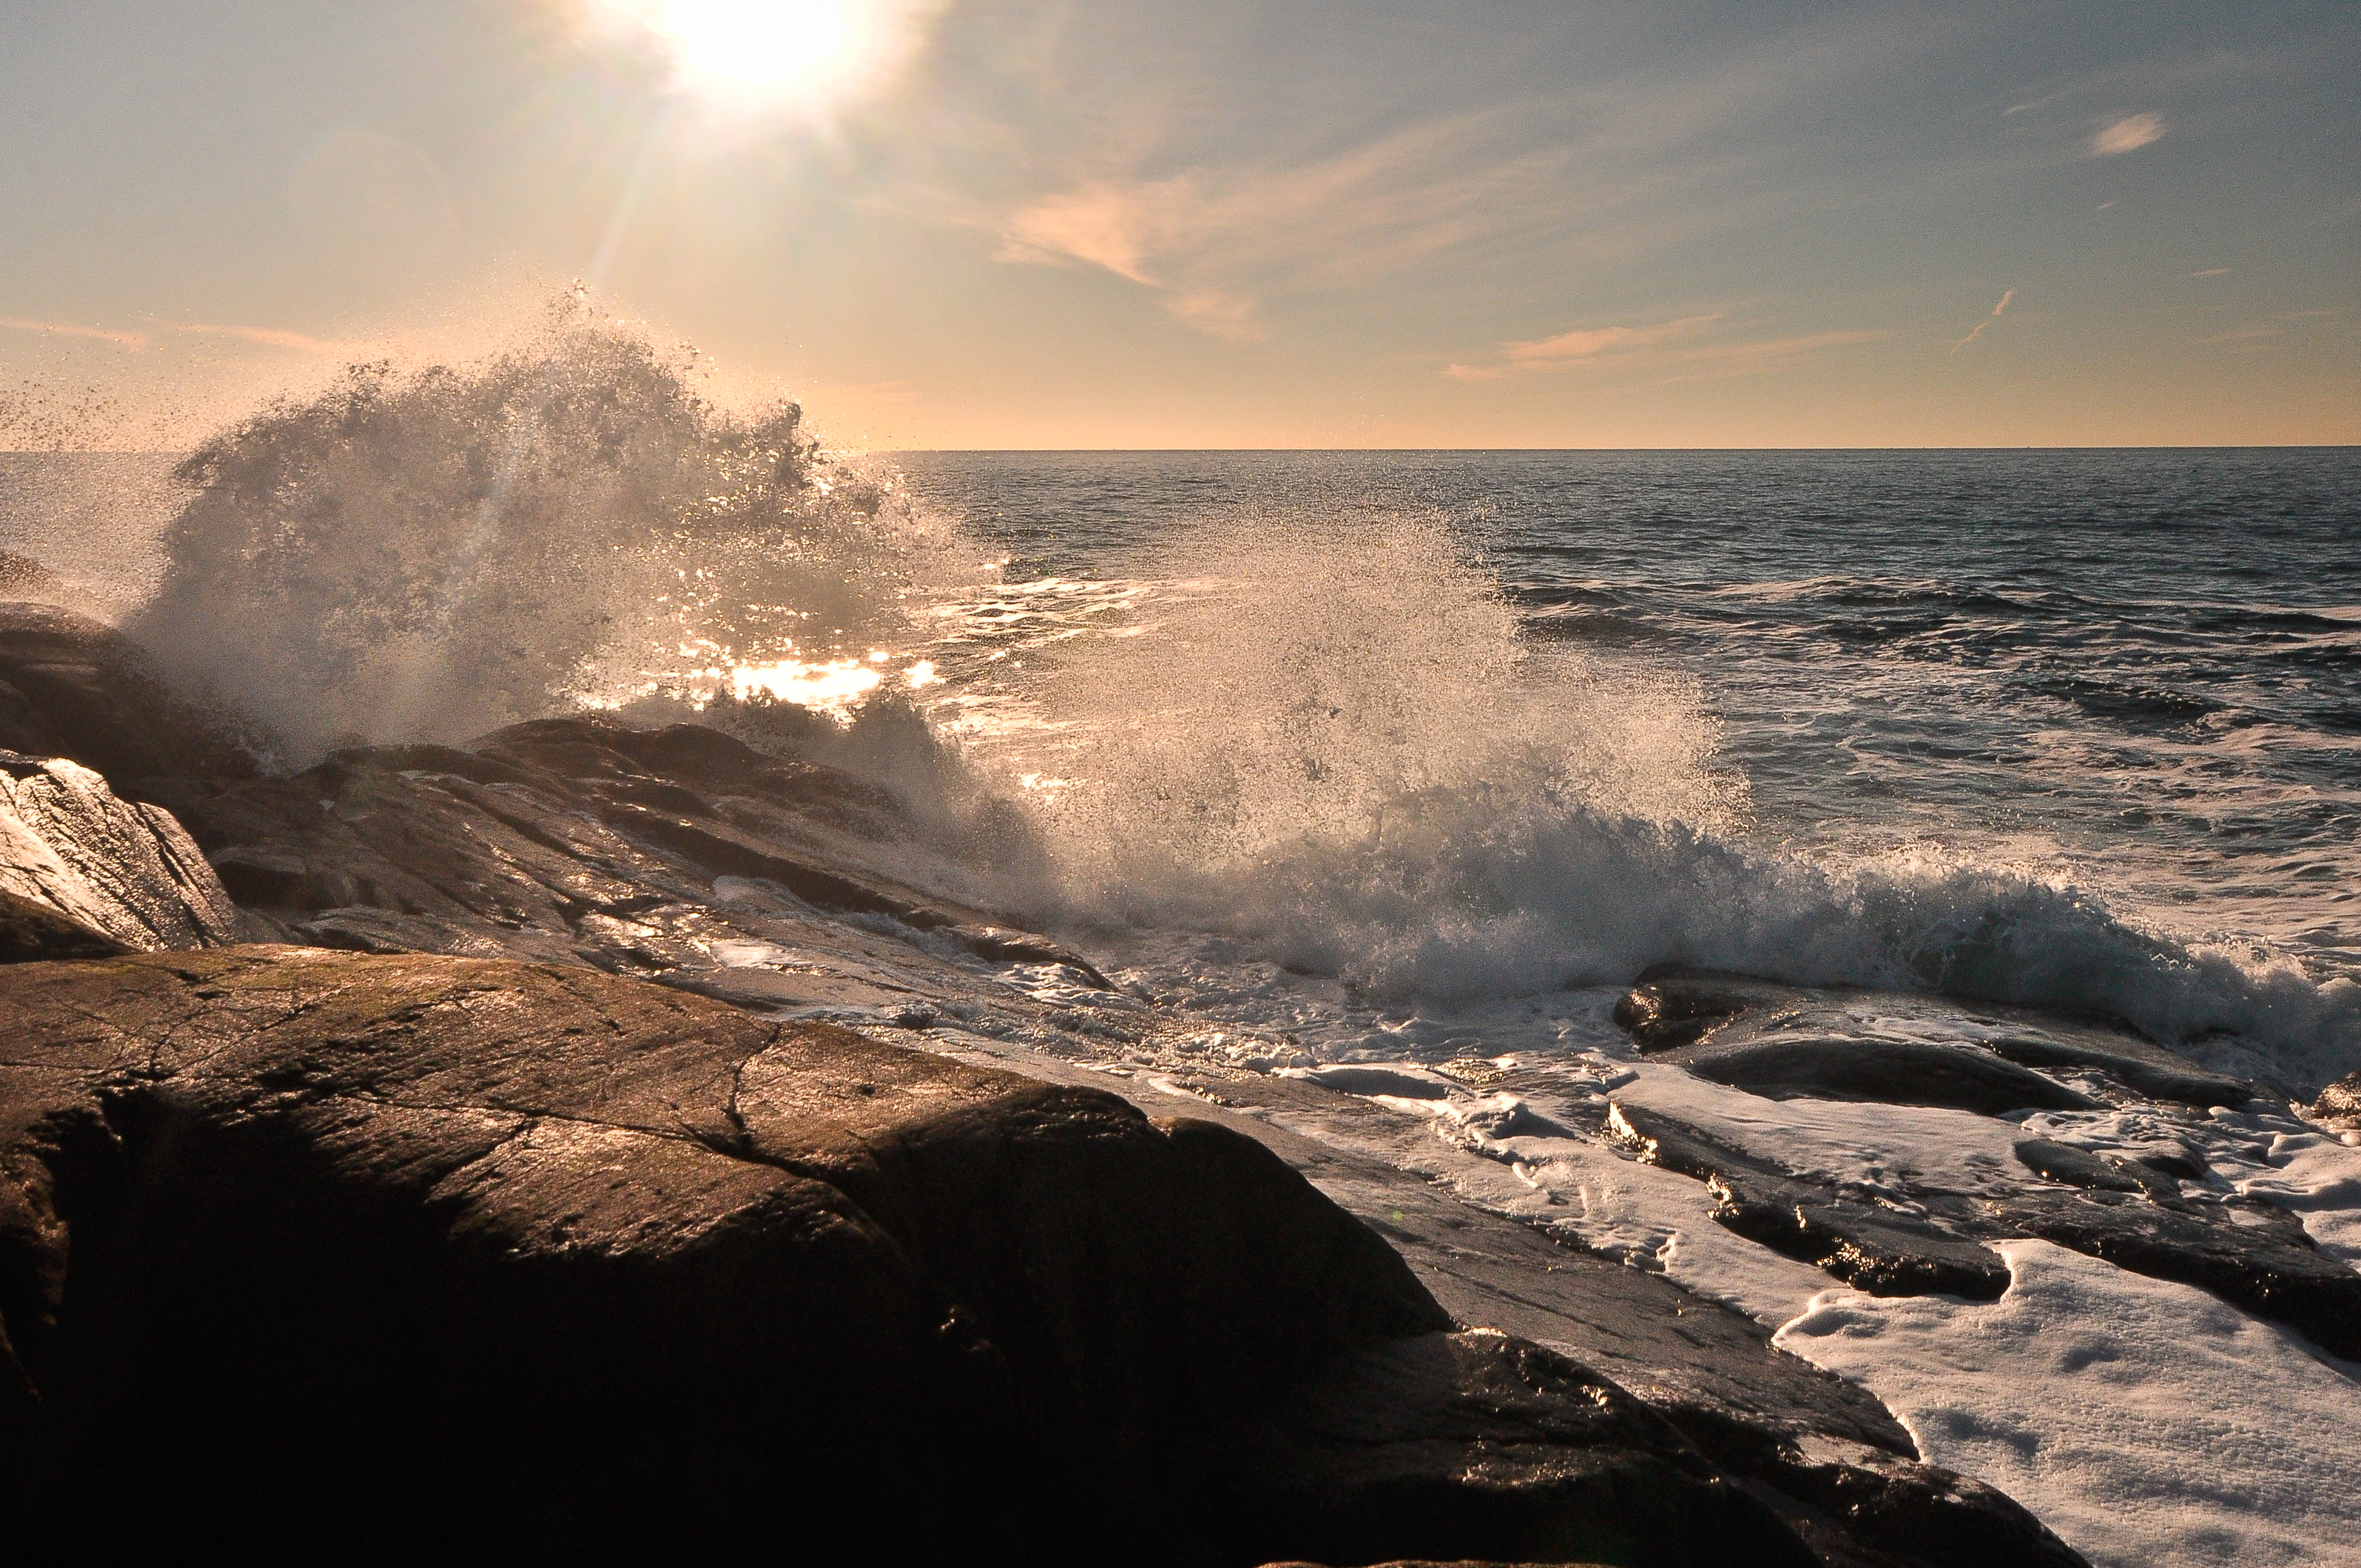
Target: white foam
[[2148, 1424]]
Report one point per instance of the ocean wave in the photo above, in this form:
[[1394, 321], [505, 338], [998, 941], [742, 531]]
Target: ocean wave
[[426, 553], [1340, 747], [1337, 738]]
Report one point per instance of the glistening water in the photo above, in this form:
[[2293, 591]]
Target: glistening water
[[2072, 729]]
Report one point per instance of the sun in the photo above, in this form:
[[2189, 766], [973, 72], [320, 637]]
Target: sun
[[807, 55]]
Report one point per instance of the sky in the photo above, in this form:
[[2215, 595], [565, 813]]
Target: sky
[[1014, 224]]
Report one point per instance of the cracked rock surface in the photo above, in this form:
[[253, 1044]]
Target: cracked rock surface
[[296, 1237], [2163, 1214], [84, 874], [289, 1233]]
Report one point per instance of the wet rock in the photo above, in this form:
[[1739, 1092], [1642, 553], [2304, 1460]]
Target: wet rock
[[1552, 1464], [554, 1257], [2269, 1267], [1673, 1007], [1820, 1452], [1676, 1008], [2079, 1168], [85, 874], [2339, 1104], [1874, 1250], [526, 840], [1891, 1072], [74, 687], [2136, 1065], [2256, 1257]]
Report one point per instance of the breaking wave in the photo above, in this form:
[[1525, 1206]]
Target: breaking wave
[[1331, 738], [1334, 741], [429, 553]]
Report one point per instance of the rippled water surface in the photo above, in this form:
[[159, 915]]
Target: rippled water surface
[[2140, 670]]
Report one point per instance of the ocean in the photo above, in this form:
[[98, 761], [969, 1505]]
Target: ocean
[[1394, 770], [2078, 728]]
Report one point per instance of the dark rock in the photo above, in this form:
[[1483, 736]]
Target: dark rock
[[2184, 1163], [1817, 1450], [1673, 1007], [1891, 1072], [2136, 1065], [542, 1251], [74, 687], [1677, 1007], [560, 1259], [1549, 1462], [85, 874], [2123, 1212], [1874, 1250], [2079, 1168], [2339, 1104], [494, 848], [2269, 1266]]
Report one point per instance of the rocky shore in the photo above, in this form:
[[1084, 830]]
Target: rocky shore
[[594, 1139]]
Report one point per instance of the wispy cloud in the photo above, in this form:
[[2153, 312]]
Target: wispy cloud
[[1978, 330], [127, 338], [267, 338], [1676, 348], [1213, 242], [2127, 135], [2212, 272], [132, 340], [1504, 191], [1589, 343]]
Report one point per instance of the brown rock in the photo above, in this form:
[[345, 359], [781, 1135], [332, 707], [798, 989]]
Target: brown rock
[[71, 686], [84, 874]]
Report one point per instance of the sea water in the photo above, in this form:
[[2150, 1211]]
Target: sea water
[[1357, 764]]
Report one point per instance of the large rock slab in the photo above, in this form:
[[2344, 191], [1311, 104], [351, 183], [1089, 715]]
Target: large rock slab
[[561, 1261], [547, 840], [71, 686], [2252, 1256], [83, 873], [1823, 1452], [1848, 1044]]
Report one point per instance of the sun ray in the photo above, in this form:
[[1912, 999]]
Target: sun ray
[[807, 55]]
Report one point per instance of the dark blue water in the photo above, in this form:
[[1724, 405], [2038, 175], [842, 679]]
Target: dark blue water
[[2138, 668]]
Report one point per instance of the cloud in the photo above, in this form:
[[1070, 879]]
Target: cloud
[[1213, 242], [2127, 135], [1978, 330], [132, 340], [1589, 343], [1668, 347], [266, 336], [2212, 272]]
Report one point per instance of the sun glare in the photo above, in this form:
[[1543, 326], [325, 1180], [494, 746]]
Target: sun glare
[[795, 55]]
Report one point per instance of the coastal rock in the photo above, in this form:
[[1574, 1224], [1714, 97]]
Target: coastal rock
[[2339, 1104], [85, 874], [1820, 1452], [2250, 1255], [1843, 1043], [74, 687], [1891, 1072], [1874, 1250], [1553, 1465], [555, 1257], [535, 839]]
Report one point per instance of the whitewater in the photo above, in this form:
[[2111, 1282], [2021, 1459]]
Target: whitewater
[[1394, 770]]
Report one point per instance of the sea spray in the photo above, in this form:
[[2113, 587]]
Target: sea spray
[[429, 552], [1321, 730], [1335, 741]]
